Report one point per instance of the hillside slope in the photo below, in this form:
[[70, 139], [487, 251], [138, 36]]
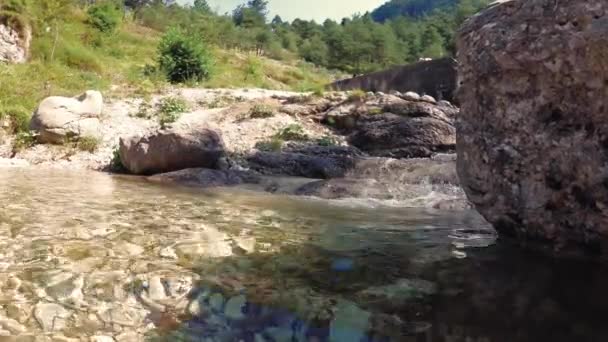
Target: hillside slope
[[72, 56]]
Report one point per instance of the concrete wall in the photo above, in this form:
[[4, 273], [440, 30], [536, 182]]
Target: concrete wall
[[436, 78]]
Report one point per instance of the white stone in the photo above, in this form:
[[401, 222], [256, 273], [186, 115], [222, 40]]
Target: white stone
[[58, 118], [51, 316], [101, 338]]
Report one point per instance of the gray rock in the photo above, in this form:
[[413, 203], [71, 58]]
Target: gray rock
[[58, 119], [399, 136], [411, 96], [532, 129], [234, 307], [350, 323], [428, 98], [51, 317], [14, 40], [177, 148]]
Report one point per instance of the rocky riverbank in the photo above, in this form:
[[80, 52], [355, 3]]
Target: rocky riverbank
[[389, 147]]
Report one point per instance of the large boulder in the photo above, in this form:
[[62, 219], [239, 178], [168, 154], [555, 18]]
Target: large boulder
[[58, 118], [15, 38], [176, 148], [396, 126], [533, 126]]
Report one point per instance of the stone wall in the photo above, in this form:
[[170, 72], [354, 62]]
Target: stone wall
[[436, 78]]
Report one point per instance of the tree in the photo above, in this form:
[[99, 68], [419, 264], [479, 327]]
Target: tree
[[432, 43], [201, 6], [137, 5], [277, 21], [260, 7]]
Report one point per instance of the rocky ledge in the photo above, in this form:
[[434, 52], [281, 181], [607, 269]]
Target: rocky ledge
[[337, 145]]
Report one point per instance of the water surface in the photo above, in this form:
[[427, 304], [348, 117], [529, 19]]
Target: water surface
[[86, 254]]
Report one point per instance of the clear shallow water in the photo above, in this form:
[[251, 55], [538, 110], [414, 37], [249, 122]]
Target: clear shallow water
[[86, 254]]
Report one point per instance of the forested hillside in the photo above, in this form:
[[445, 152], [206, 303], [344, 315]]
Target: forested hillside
[[409, 8], [127, 45]]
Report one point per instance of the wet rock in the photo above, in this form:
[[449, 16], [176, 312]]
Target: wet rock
[[124, 316], [51, 317], [402, 292], [350, 323], [130, 249], [532, 129], [12, 325], [346, 188], [58, 119], [168, 252], [129, 337], [235, 306], [180, 147], [156, 289], [208, 178], [19, 312]]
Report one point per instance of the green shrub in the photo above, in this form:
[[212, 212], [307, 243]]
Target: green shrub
[[116, 163], [170, 109], [273, 145], [24, 140], [183, 58], [104, 16], [18, 116], [357, 95], [88, 144], [261, 111], [253, 69], [292, 132], [327, 141]]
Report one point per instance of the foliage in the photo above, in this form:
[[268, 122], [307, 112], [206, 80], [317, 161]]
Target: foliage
[[261, 111], [116, 164], [273, 145], [327, 141], [18, 117], [293, 132], [183, 57], [357, 95], [170, 109], [88, 144], [23, 141], [104, 16]]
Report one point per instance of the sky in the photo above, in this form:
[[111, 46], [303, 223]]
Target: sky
[[318, 10]]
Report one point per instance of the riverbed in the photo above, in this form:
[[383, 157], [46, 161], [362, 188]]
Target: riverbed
[[89, 256]]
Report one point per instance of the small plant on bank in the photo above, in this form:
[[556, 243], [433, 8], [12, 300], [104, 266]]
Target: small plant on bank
[[356, 95], [327, 141], [116, 163], [273, 145], [375, 111], [183, 58], [88, 144], [261, 111], [144, 111], [170, 109], [23, 141], [292, 132], [18, 118]]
